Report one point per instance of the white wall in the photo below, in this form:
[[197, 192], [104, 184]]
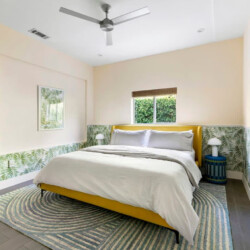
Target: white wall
[[26, 63], [208, 78]]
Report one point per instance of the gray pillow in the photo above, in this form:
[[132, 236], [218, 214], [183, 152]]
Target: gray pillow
[[129, 138], [171, 140]]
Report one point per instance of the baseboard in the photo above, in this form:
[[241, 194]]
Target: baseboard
[[234, 175], [17, 180], [239, 176], [245, 183]]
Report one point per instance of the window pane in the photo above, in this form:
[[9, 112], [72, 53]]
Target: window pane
[[166, 108], [144, 109]]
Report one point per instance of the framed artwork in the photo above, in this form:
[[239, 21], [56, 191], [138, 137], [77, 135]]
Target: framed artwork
[[50, 108]]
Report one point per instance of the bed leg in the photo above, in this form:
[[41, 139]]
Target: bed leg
[[177, 237], [42, 193]]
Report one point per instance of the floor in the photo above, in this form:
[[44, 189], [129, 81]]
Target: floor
[[239, 214], [238, 206], [11, 239]]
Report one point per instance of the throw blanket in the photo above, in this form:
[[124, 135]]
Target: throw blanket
[[154, 179]]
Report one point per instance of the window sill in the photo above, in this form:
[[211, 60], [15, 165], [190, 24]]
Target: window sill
[[156, 123]]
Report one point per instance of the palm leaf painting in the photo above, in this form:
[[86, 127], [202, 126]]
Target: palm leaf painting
[[51, 108]]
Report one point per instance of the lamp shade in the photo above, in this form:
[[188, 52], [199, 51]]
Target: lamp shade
[[99, 137], [214, 142]]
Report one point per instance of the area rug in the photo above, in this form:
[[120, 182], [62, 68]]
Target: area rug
[[62, 223]]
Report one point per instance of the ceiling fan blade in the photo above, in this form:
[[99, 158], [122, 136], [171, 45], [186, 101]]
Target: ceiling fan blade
[[79, 15], [109, 40], [130, 16]]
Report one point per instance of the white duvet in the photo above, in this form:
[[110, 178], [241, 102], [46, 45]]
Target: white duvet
[[156, 179]]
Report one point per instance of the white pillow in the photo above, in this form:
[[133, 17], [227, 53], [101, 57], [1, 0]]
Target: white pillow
[[171, 140], [129, 138]]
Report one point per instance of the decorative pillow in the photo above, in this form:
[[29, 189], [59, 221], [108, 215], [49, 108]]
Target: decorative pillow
[[129, 138], [171, 140]]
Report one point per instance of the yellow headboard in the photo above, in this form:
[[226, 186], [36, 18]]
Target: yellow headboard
[[197, 130]]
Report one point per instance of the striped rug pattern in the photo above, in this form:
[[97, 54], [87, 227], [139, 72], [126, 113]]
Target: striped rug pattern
[[62, 223]]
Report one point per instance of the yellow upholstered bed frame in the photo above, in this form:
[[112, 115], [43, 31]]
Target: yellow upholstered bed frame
[[137, 212]]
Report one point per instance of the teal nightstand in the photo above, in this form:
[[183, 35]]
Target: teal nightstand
[[216, 169]]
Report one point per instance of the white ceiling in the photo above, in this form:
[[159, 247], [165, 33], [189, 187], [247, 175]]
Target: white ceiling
[[172, 25]]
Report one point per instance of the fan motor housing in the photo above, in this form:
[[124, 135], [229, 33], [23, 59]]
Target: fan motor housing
[[107, 25]]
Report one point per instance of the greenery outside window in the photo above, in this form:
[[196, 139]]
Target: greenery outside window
[[157, 108]]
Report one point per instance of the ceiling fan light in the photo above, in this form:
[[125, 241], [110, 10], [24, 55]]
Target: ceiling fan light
[[106, 25]]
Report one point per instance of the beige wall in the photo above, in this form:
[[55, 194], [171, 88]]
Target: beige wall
[[26, 63], [208, 78], [246, 85]]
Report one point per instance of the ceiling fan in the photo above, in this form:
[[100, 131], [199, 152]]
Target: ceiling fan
[[107, 24]]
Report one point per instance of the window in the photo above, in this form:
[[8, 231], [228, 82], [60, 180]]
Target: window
[[155, 106]]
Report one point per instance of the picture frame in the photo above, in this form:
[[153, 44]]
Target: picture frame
[[51, 108]]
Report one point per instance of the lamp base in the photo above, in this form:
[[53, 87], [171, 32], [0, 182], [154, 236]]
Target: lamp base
[[214, 151]]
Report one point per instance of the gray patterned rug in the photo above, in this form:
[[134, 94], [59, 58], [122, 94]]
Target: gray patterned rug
[[62, 223]]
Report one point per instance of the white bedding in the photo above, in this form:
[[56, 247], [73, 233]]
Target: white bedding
[[191, 153], [155, 179]]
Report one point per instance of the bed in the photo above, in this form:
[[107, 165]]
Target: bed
[[47, 182]]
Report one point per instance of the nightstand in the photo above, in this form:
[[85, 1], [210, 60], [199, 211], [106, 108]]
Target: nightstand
[[216, 169]]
